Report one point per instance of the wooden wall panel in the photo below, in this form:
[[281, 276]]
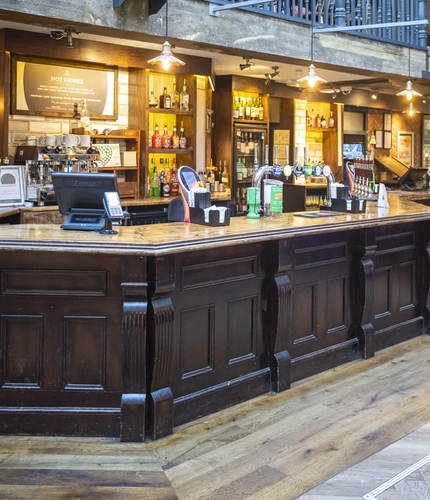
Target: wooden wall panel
[[242, 329], [21, 352], [84, 353]]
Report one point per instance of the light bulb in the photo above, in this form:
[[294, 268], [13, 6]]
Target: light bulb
[[311, 82], [166, 64]]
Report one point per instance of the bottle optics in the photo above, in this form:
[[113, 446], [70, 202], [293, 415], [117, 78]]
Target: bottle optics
[[166, 58]]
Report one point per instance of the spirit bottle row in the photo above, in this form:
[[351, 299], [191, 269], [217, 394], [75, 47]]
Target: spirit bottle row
[[316, 121], [173, 100], [248, 108], [163, 180], [167, 140]]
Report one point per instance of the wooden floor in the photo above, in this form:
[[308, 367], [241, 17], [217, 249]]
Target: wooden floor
[[275, 447]]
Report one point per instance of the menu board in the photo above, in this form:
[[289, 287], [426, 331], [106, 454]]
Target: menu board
[[50, 88]]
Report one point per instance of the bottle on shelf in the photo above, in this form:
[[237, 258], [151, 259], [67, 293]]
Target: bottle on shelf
[[312, 122], [174, 185], [225, 177], [331, 120], [243, 143], [260, 109], [166, 140], [236, 108], [251, 143], [156, 138], [184, 98], [248, 109], [174, 97], [153, 101], [323, 122], [240, 109], [162, 182], [75, 122], [155, 184], [85, 118], [175, 138], [318, 121], [165, 102], [182, 138]]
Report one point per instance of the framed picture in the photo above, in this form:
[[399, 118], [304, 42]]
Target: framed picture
[[378, 137], [405, 148], [387, 121], [11, 186], [387, 139]]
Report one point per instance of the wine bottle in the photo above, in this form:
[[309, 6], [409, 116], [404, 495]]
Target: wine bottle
[[175, 138], [260, 110], [155, 184]]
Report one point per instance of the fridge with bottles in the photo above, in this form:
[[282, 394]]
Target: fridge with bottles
[[248, 151]]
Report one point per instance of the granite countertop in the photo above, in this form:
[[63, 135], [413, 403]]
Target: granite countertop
[[159, 239]]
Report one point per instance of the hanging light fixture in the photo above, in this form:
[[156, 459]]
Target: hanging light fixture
[[166, 58], [411, 111], [409, 92], [312, 78]]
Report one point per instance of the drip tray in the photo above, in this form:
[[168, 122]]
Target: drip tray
[[317, 215]]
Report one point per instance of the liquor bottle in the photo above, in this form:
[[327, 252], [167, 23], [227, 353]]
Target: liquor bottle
[[182, 138], [318, 121], [155, 184], [165, 102], [75, 122], [162, 181], [312, 120], [166, 140], [174, 185], [174, 96], [156, 138], [323, 122], [184, 98], [243, 143], [153, 101], [247, 143], [254, 109], [260, 110], [85, 118], [175, 138], [331, 120], [238, 141]]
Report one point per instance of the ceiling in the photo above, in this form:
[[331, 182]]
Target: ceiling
[[225, 64]]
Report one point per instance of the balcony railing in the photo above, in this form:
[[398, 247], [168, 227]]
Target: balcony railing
[[353, 13]]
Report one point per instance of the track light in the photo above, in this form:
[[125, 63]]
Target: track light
[[248, 64], [271, 76], [59, 35], [166, 58]]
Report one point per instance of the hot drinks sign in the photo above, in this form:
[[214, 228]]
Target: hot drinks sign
[[51, 89]]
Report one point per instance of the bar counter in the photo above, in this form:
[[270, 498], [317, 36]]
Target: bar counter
[[132, 334]]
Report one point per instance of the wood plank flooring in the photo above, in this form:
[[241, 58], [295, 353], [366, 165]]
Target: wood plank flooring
[[275, 447]]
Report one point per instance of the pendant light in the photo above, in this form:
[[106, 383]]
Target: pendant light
[[409, 92], [312, 78], [166, 58], [411, 111]]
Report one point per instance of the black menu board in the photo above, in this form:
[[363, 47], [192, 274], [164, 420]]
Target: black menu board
[[49, 88]]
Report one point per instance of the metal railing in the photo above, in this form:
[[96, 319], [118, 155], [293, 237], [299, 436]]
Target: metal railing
[[353, 13]]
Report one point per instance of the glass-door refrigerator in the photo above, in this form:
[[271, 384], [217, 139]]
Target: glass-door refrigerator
[[249, 138]]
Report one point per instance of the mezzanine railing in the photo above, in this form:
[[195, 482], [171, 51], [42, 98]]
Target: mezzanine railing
[[354, 13]]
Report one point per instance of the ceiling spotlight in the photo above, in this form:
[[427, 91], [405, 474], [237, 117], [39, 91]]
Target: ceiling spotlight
[[271, 76], [166, 58], [409, 92], [374, 94], [345, 90], [248, 64], [59, 35]]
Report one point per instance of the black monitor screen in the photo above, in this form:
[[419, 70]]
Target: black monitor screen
[[413, 175], [82, 190]]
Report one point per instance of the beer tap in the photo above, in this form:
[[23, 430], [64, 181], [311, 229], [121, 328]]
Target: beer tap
[[287, 166]]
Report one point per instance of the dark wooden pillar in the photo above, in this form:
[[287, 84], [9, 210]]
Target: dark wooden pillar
[[4, 96], [279, 324], [134, 326], [362, 292], [160, 347]]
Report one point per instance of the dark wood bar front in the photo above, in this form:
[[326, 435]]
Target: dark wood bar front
[[133, 334]]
